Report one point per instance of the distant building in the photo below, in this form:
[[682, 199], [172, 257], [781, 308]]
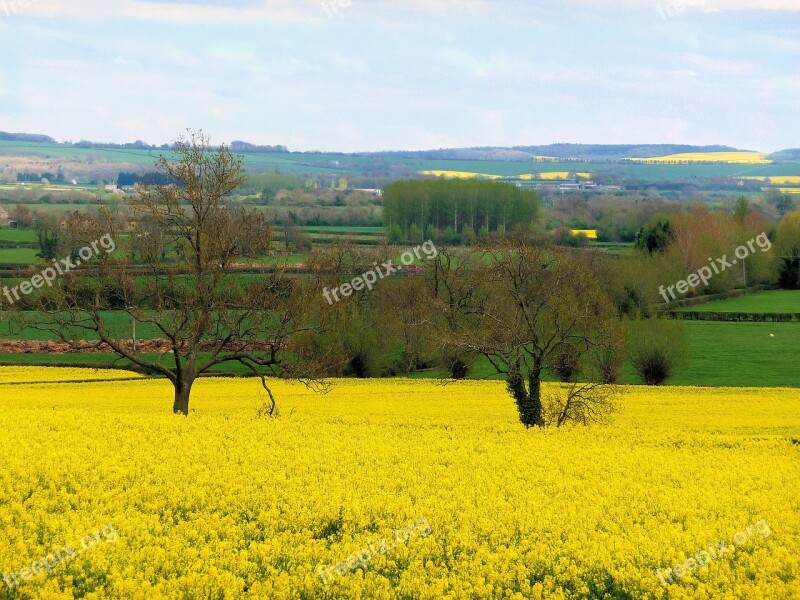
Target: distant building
[[5, 219], [376, 193]]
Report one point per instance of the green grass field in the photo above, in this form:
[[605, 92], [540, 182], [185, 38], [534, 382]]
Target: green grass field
[[344, 229], [105, 361], [779, 301], [741, 355], [17, 235], [119, 323], [719, 354], [18, 256]]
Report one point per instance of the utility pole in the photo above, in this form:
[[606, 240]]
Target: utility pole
[[134, 327]]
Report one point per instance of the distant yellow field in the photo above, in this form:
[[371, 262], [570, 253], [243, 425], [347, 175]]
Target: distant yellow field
[[776, 179], [589, 233], [459, 174], [554, 175], [547, 176], [789, 190], [750, 158]]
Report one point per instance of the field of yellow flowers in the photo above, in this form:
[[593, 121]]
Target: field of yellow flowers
[[224, 504], [745, 158]]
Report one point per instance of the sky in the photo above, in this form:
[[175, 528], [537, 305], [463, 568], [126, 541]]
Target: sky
[[368, 75]]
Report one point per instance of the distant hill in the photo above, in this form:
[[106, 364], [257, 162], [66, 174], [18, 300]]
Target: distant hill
[[26, 137], [617, 151], [596, 152], [792, 154]]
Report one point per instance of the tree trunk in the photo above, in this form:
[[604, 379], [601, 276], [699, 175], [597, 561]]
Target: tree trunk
[[529, 401], [183, 389], [535, 395]]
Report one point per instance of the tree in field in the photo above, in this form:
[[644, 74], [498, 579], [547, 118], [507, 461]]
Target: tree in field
[[656, 235], [466, 206], [404, 306], [783, 203], [787, 248], [657, 346], [524, 308], [48, 234], [175, 278]]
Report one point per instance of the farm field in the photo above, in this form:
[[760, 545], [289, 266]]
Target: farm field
[[777, 301], [224, 504], [18, 256], [719, 354], [17, 235], [349, 164], [755, 158], [638, 170], [740, 354]]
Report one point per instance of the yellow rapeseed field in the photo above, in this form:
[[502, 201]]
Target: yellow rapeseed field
[[62, 374], [459, 174], [554, 175], [549, 175], [589, 233], [223, 504], [750, 158], [776, 179]]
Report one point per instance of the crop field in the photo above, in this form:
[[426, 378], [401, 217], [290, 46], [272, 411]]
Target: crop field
[[749, 158], [697, 165], [632, 169], [546, 176], [410, 489], [459, 174], [778, 179]]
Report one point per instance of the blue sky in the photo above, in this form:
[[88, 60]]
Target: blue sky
[[351, 75]]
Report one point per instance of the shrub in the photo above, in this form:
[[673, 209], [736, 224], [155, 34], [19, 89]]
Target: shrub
[[656, 348], [566, 364]]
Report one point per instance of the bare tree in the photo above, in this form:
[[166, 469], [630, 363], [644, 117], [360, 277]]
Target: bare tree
[[583, 403], [523, 308], [186, 239]]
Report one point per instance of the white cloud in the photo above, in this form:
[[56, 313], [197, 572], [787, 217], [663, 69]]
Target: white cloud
[[708, 5], [717, 65]]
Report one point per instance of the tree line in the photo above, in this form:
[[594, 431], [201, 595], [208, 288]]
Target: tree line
[[414, 209], [525, 309]]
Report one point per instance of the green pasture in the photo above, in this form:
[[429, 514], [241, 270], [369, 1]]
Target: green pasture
[[777, 301]]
